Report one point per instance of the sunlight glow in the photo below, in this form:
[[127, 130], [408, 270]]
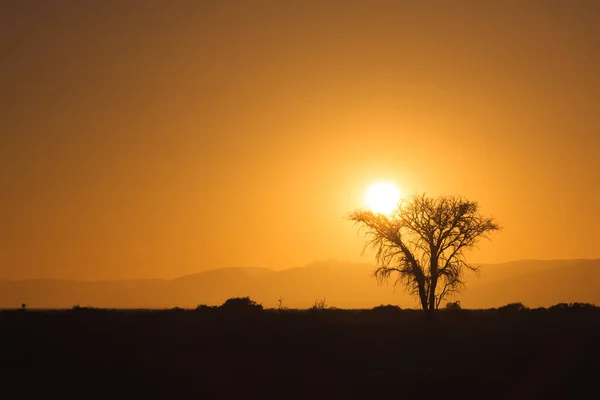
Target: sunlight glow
[[382, 197]]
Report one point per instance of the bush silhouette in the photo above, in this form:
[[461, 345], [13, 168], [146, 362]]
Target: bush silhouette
[[241, 305], [583, 305], [78, 308], [559, 306], [572, 306], [206, 307], [386, 308], [453, 305], [281, 306], [319, 305], [513, 307]]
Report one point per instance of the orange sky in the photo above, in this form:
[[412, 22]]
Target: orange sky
[[156, 139]]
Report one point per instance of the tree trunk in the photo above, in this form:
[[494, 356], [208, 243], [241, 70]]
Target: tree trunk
[[423, 296], [432, 294], [434, 279], [419, 276]]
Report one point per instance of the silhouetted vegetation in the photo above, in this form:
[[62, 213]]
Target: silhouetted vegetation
[[241, 306], [423, 244], [214, 352], [387, 307], [79, 308], [319, 305], [453, 305], [281, 306], [513, 307], [205, 307], [572, 306], [386, 310]]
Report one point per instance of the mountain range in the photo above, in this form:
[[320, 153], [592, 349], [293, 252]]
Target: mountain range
[[536, 283]]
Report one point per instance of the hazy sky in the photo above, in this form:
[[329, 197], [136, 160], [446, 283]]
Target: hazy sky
[[161, 138]]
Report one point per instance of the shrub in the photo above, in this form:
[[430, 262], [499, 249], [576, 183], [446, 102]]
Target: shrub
[[586, 306], [559, 306], [241, 305], [319, 305], [453, 305], [281, 306], [78, 308], [386, 308], [205, 307], [572, 306], [513, 307]]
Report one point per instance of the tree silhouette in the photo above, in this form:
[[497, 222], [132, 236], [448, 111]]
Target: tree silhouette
[[423, 243]]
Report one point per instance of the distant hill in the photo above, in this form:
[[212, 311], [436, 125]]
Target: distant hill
[[535, 284], [343, 284]]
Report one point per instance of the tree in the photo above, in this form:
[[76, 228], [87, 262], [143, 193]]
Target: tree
[[423, 243]]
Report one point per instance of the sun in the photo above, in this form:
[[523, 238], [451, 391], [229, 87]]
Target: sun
[[382, 197]]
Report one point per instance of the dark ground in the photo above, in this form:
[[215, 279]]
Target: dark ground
[[211, 353]]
